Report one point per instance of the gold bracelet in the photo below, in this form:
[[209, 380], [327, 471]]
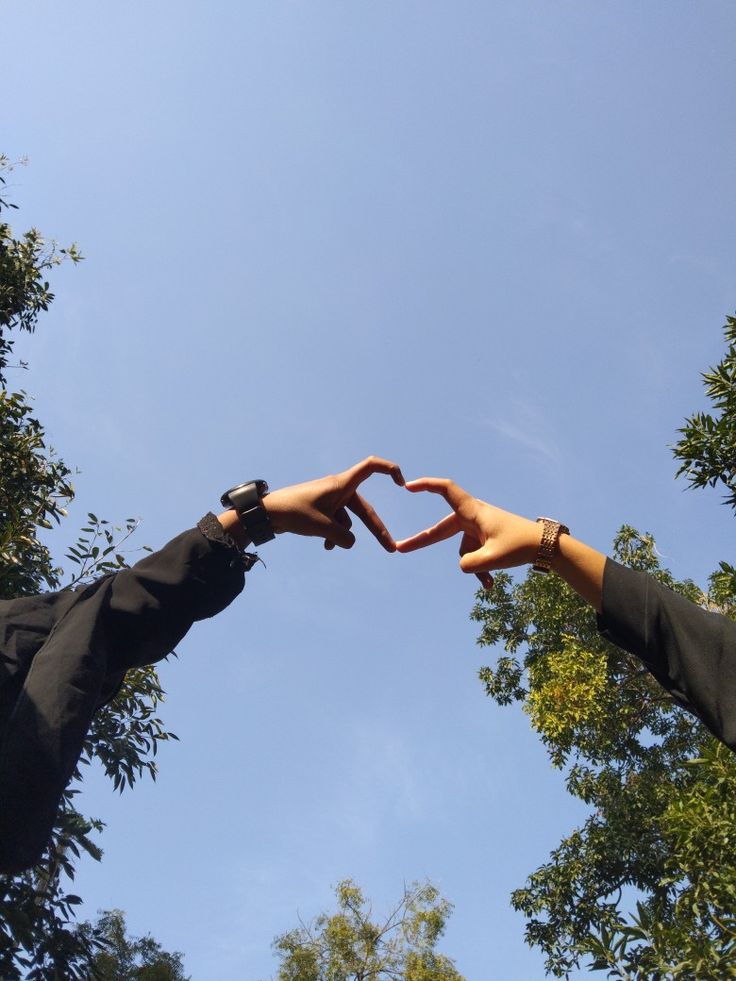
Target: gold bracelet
[[548, 545]]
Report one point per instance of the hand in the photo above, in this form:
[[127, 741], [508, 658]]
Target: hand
[[492, 538], [320, 507]]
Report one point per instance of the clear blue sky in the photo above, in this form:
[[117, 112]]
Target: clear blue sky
[[490, 240]]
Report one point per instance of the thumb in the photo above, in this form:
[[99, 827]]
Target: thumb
[[477, 561]]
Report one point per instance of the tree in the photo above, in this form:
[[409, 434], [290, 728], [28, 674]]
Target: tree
[[349, 945], [39, 938], [35, 485], [127, 958], [707, 448], [646, 887]]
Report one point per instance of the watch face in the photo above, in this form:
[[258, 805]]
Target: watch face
[[260, 486]]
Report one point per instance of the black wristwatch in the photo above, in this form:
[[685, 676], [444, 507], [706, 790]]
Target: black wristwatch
[[246, 500]]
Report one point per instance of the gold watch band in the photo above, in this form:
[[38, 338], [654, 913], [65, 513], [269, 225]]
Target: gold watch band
[[548, 546]]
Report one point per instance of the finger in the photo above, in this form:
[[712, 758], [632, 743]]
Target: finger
[[354, 476], [367, 514], [452, 492], [343, 518], [444, 529], [332, 531]]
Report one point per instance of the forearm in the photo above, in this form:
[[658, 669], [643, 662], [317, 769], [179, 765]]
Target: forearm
[[582, 568], [154, 603], [689, 650], [132, 618]]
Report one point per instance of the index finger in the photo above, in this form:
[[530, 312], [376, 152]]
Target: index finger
[[452, 492], [354, 476], [444, 529], [368, 515]]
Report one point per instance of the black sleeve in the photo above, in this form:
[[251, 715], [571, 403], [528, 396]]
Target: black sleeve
[[134, 617], [690, 651], [154, 603]]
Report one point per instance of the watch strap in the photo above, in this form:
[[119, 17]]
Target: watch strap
[[257, 524], [247, 500], [551, 532]]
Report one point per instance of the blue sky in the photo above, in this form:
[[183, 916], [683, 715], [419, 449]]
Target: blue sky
[[492, 241]]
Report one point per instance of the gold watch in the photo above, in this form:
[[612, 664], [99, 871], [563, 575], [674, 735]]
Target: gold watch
[[548, 545]]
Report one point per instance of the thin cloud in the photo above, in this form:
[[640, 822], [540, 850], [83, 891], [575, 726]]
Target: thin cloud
[[528, 430]]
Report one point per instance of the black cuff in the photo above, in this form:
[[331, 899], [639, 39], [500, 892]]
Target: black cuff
[[214, 532]]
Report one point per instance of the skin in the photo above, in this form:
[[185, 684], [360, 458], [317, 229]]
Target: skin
[[493, 539], [322, 507]]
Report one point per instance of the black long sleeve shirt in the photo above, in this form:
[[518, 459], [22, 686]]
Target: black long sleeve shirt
[[690, 651], [64, 654]]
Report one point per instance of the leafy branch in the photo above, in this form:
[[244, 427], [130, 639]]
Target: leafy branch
[[97, 551]]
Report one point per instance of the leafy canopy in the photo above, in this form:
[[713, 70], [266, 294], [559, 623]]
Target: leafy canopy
[[39, 936], [645, 889], [707, 447], [125, 958], [351, 945]]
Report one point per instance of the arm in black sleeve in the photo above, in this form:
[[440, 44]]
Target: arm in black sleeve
[[690, 651], [154, 603], [132, 618]]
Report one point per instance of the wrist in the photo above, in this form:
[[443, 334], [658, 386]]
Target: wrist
[[246, 500], [549, 543], [233, 526]]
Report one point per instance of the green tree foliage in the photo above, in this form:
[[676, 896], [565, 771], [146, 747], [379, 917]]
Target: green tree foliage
[[39, 937], [35, 484], [24, 264], [350, 945], [646, 887], [707, 447], [125, 958]]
